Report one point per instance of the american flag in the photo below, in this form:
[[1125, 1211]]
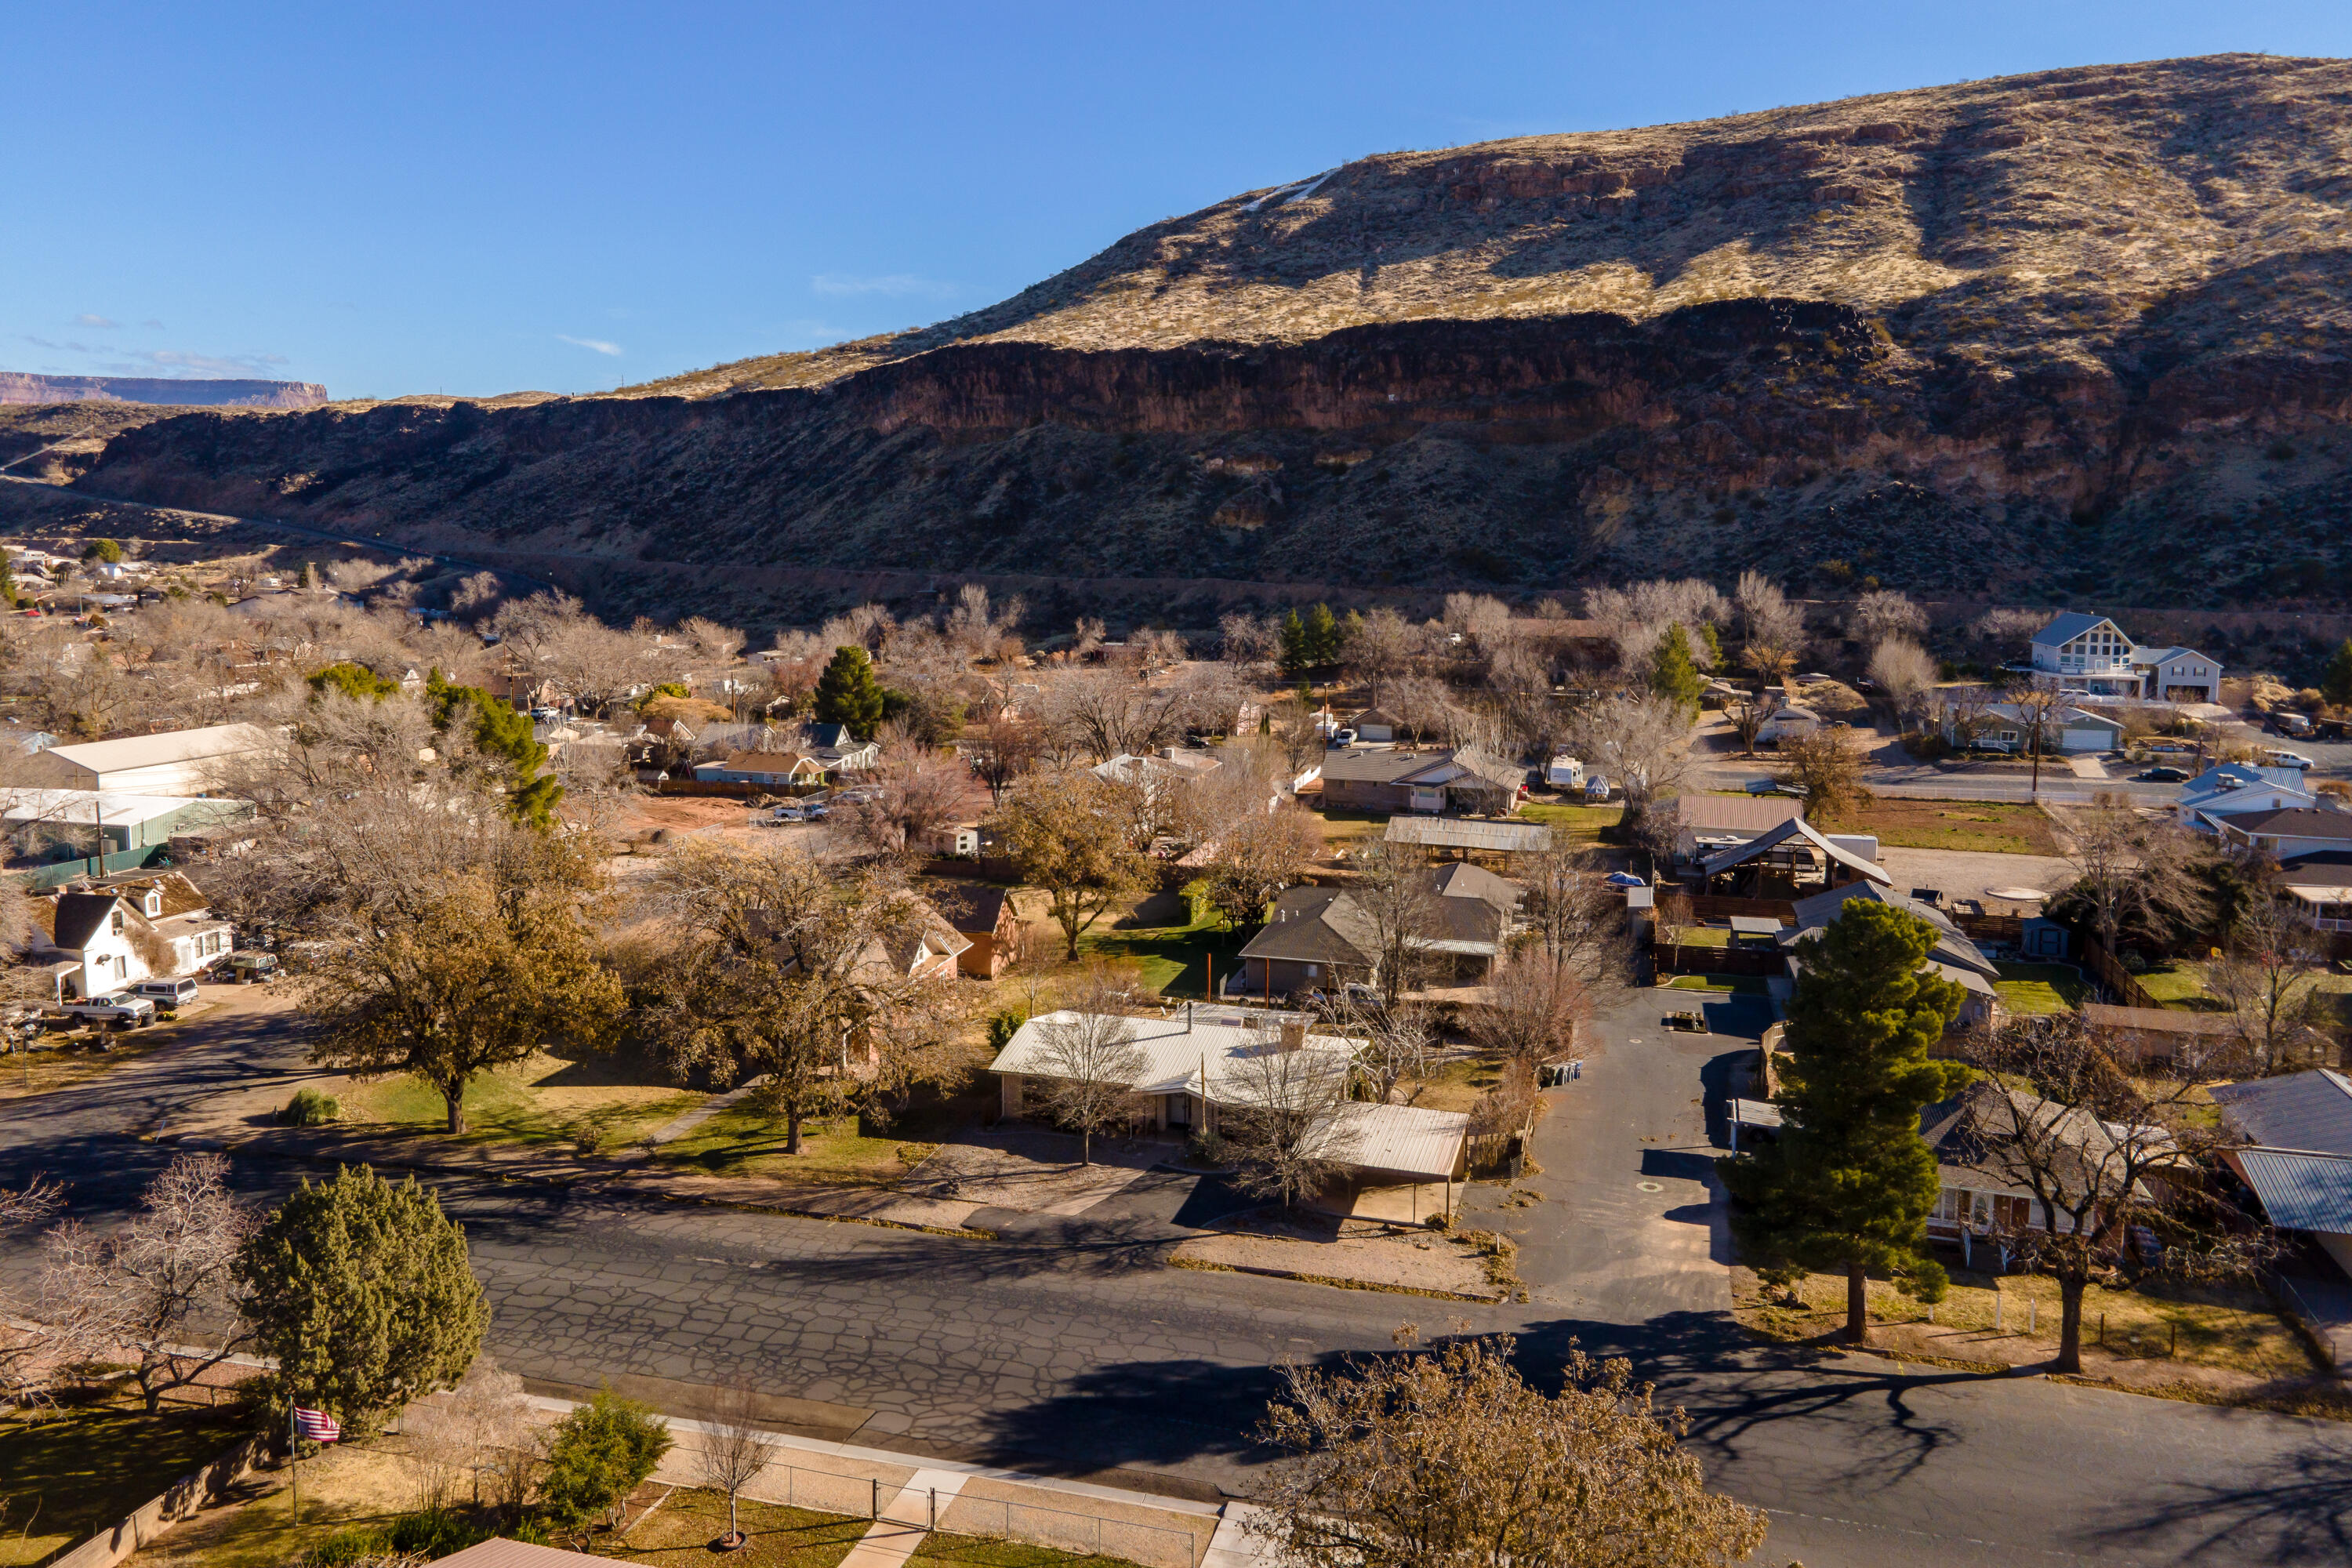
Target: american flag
[[317, 1425]]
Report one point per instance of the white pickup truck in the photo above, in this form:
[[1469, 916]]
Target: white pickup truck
[[115, 1008]]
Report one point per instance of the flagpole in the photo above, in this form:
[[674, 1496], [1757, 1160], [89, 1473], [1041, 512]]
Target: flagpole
[[294, 1460]]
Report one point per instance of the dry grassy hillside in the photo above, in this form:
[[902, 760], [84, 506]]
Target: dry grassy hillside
[[2067, 334]]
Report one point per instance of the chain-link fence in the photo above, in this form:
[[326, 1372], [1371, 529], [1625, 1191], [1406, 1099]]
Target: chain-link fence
[[996, 1518]]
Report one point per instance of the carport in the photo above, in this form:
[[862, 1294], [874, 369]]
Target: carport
[[1391, 1157]]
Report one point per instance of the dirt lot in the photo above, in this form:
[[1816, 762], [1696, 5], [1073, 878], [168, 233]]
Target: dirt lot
[[1959, 874], [1346, 1252], [1970, 826]]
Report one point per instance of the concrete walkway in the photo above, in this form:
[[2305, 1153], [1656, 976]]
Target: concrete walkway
[[679, 1126], [895, 1537]]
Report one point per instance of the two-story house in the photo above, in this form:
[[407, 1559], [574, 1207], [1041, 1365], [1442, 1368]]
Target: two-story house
[[102, 937], [2092, 655]]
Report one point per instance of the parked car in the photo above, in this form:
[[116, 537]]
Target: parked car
[[2164, 775], [545, 715], [2291, 723], [1342, 738], [2286, 760], [112, 1007], [251, 968], [783, 814], [1625, 880], [167, 993]]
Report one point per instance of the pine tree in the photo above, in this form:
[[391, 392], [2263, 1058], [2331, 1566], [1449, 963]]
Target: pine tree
[[1849, 1184], [1714, 641], [499, 730], [599, 1454], [1322, 637], [1671, 674], [9, 586], [2335, 685], [1297, 655], [362, 1292], [848, 693]]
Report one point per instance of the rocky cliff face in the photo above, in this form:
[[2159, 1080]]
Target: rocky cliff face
[[2076, 332], [19, 386]]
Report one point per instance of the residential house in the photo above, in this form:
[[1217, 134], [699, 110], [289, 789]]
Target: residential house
[[837, 750], [2289, 832], [926, 946], [99, 937], [983, 915], [1707, 824], [1788, 721], [663, 742], [1461, 838], [1953, 956], [2322, 885], [2091, 654], [1979, 1202], [1791, 862], [1200, 1066], [1377, 725], [2298, 1161], [2234, 789], [1410, 779], [2163, 1034], [2008, 727], [1321, 939], [766, 770], [178, 763]]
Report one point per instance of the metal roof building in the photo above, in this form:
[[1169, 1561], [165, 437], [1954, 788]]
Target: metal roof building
[[1458, 833]]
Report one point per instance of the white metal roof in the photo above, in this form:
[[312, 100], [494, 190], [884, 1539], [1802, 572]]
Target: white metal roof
[[75, 807], [172, 746], [1177, 1051], [1400, 1138], [1453, 833]]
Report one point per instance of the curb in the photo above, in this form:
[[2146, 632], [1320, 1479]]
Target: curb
[[1264, 1272]]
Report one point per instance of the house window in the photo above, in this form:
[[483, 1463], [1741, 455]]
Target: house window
[[118, 922], [1947, 1206], [1313, 971]]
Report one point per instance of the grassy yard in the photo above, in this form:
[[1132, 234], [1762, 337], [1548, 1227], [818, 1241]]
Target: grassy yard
[[2041, 987], [1999, 827], [1703, 936], [682, 1528], [1453, 1084], [60, 1060], [602, 1100], [2181, 985], [2233, 1328], [65, 1474], [742, 1140], [1580, 822], [1722, 984], [1171, 961]]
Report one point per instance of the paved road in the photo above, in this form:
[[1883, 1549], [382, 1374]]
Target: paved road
[[1067, 1346]]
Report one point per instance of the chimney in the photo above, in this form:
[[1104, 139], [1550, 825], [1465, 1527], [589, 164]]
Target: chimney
[[1188, 1017], [1294, 1034]]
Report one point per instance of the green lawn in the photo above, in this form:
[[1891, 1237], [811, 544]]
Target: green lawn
[[682, 1528], [2012, 827], [1704, 936], [545, 1099], [64, 1474], [1172, 961], [1726, 984], [743, 1141], [1578, 822], [2041, 987], [2181, 985]]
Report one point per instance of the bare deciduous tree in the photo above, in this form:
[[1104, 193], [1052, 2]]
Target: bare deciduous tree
[[1573, 913], [916, 792], [2269, 974], [1279, 1118], [1248, 640], [1771, 629], [1399, 901], [1088, 1065], [1748, 712], [1535, 1006], [1828, 769], [1447, 1459], [1903, 672], [162, 1291], [1393, 1043], [2135, 872], [735, 1446], [2101, 1149], [1259, 855], [1640, 741], [1379, 647], [1883, 614]]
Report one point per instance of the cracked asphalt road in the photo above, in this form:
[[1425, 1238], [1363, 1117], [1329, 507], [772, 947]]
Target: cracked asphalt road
[[1065, 1346]]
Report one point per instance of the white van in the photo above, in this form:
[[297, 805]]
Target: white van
[[167, 993]]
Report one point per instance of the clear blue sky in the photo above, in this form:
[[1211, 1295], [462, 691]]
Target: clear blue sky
[[484, 197]]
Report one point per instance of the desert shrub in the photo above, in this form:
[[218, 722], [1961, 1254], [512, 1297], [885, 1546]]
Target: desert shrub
[[1927, 747], [308, 1107], [348, 1548], [433, 1534], [587, 1134], [1002, 1025]]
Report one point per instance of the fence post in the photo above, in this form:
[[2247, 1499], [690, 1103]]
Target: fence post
[[935, 1510], [875, 1511]]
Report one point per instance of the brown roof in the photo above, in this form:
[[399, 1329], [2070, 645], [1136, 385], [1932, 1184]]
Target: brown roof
[[2295, 822], [2157, 1020], [1736, 813], [972, 905]]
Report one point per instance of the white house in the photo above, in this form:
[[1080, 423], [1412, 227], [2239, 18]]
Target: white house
[[2236, 789], [182, 763], [1788, 719], [125, 929], [2290, 831], [2006, 727], [2091, 654]]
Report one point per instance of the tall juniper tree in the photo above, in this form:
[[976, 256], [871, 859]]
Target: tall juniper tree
[[1850, 1184]]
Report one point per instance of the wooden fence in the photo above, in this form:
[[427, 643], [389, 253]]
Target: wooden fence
[[2115, 977], [1694, 958], [1991, 928]]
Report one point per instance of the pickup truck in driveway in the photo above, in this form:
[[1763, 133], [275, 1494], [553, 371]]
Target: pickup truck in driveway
[[116, 1007]]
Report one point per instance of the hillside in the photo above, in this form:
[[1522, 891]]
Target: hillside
[[2073, 332]]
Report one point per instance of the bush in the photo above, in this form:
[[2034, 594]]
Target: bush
[[587, 1134], [435, 1534], [1002, 1027], [1927, 747], [348, 1547], [1207, 1149], [308, 1107], [599, 1454]]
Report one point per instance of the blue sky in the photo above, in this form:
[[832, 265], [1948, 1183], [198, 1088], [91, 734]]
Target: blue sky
[[484, 197]]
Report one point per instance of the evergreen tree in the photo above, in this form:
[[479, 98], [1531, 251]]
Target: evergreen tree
[[1849, 1184], [1671, 674], [103, 549], [599, 1454], [1714, 641], [1294, 650], [2335, 685], [1322, 637], [354, 680], [848, 693], [499, 730], [360, 1290], [309, 578], [7, 585]]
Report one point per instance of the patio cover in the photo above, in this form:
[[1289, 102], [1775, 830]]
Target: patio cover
[[1796, 828]]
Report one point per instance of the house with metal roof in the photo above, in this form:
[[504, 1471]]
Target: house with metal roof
[[179, 763], [2298, 1162], [1790, 861], [2091, 654], [1406, 778], [2236, 789], [1463, 836], [1953, 956], [1197, 1068]]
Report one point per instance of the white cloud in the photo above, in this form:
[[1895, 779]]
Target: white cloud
[[598, 344], [100, 323], [895, 285]]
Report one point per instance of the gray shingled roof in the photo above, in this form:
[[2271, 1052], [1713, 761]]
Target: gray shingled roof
[[1316, 925], [2296, 1110]]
